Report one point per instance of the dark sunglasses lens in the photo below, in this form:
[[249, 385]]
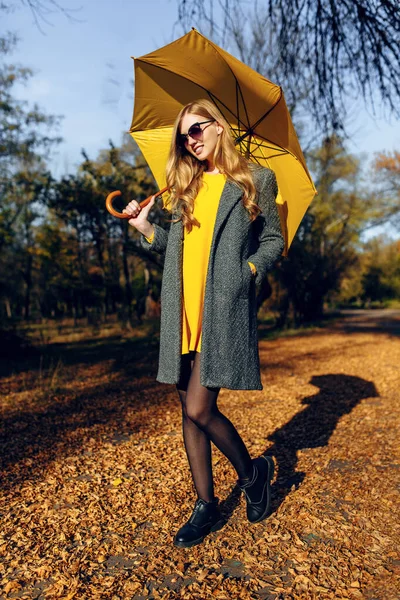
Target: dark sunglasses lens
[[195, 132]]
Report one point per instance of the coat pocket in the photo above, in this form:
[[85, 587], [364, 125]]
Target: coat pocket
[[247, 278]]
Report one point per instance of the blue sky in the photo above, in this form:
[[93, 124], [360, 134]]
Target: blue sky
[[83, 67], [84, 71]]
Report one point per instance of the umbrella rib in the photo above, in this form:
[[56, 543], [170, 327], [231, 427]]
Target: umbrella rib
[[216, 50], [237, 107], [278, 149], [262, 156], [239, 90], [251, 129], [216, 100], [262, 145], [237, 100]]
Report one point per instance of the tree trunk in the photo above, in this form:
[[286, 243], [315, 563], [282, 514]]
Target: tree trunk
[[8, 308], [313, 309], [28, 282], [128, 287]]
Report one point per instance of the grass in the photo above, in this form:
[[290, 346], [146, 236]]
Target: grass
[[65, 331]]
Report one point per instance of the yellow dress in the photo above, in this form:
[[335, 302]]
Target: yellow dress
[[196, 251]]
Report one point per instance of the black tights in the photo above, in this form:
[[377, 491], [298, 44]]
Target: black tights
[[202, 422]]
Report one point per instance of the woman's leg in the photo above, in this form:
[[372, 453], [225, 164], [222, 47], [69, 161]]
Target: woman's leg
[[197, 442], [204, 415]]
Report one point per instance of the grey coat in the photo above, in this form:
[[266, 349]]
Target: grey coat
[[229, 347]]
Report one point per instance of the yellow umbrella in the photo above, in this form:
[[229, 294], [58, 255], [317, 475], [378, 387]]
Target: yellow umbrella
[[193, 67]]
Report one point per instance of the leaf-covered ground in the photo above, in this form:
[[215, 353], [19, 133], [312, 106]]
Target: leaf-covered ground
[[95, 480]]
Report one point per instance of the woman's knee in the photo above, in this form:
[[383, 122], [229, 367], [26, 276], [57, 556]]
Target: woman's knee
[[199, 415], [196, 414]]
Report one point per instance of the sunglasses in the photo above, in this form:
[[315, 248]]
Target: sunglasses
[[194, 131]]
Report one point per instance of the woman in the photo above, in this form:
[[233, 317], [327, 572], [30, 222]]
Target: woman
[[224, 237]]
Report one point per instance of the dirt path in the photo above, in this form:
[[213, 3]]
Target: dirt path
[[95, 480], [375, 321]]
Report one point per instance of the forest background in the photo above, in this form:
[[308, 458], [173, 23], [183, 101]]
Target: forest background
[[64, 259]]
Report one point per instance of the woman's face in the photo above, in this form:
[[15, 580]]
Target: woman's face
[[201, 146]]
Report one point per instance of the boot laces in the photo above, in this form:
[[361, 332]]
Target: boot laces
[[252, 480], [197, 508]]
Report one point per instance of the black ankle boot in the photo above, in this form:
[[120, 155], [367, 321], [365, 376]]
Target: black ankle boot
[[258, 489], [206, 517]]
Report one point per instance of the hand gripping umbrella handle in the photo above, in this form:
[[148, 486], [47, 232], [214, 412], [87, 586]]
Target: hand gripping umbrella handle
[[119, 215]]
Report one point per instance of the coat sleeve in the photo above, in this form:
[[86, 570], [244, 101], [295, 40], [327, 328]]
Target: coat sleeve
[[158, 241], [267, 227]]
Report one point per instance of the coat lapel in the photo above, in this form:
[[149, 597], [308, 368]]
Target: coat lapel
[[231, 194]]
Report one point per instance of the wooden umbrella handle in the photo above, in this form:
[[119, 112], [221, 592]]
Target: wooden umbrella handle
[[119, 215]]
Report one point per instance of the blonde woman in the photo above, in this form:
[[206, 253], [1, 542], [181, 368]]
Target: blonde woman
[[224, 237]]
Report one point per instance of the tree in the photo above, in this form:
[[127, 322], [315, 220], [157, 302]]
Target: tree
[[381, 272], [24, 131], [41, 10], [79, 200], [24, 144], [387, 170], [325, 246], [331, 52], [60, 287]]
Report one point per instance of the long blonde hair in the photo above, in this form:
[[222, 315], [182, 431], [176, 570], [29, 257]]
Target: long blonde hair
[[184, 171]]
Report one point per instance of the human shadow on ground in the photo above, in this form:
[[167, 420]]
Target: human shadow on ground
[[313, 426]]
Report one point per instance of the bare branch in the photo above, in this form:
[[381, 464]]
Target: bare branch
[[335, 50]]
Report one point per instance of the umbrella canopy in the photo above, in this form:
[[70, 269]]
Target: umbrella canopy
[[193, 67]]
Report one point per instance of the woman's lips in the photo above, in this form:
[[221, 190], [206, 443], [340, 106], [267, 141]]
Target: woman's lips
[[198, 149]]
